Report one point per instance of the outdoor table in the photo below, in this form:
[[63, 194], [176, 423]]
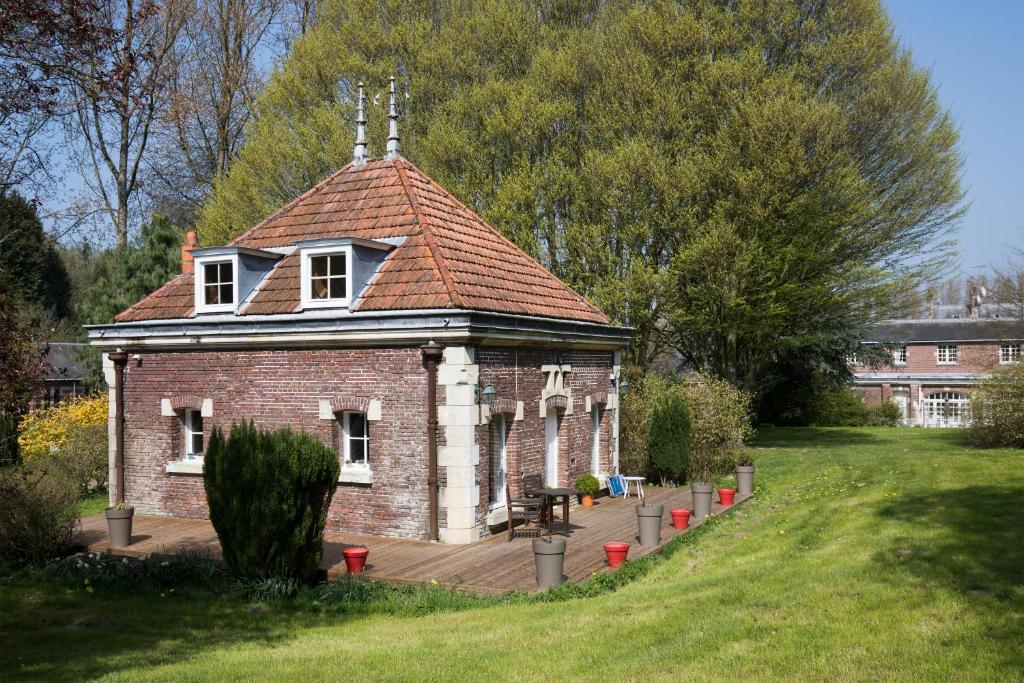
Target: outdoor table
[[639, 486], [550, 494]]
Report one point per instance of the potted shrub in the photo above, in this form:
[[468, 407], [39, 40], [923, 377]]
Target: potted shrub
[[616, 553], [119, 524], [587, 486], [549, 557], [745, 475]]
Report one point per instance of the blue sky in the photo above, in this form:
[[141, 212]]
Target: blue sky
[[975, 52]]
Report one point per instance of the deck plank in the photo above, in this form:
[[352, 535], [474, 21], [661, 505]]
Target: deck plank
[[491, 565]]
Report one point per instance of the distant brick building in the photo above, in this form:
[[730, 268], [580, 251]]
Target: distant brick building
[[935, 365], [373, 311]]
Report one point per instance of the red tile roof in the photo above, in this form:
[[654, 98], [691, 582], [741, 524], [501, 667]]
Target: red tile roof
[[450, 258]]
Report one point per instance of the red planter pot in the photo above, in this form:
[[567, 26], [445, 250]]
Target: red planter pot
[[616, 553], [680, 518], [725, 496], [355, 559]]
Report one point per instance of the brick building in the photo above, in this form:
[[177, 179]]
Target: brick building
[[936, 362], [383, 316]]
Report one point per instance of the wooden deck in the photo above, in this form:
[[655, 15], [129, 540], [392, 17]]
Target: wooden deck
[[491, 565]]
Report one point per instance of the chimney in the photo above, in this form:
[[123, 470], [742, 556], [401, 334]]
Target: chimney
[[191, 242]]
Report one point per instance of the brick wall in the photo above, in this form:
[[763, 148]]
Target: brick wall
[[922, 358], [283, 389], [516, 374]]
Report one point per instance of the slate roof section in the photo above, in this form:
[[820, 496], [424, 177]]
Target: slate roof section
[[450, 258], [962, 330]]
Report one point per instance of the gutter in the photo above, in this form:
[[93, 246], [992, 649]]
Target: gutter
[[432, 353]]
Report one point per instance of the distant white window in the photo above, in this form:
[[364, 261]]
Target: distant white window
[[899, 355], [946, 354], [1009, 353], [851, 359], [216, 287], [356, 436], [326, 277], [193, 434]]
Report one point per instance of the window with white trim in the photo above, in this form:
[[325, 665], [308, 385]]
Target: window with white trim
[[946, 354], [216, 286], [851, 359], [499, 460], [356, 439], [326, 277], [595, 440], [192, 422], [1009, 353], [899, 355]]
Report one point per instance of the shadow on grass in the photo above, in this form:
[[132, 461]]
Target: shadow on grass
[[54, 634], [805, 437], [968, 540]]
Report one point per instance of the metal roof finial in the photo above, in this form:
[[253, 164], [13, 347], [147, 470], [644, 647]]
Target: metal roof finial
[[359, 154], [393, 146]]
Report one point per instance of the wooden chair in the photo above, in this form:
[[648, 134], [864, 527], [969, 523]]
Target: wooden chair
[[529, 511]]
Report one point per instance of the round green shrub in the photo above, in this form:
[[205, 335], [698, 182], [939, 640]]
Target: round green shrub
[[587, 485], [268, 494], [668, 439]]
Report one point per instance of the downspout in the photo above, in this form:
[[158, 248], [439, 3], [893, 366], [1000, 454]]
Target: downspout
[[120, 359], [432, 353]]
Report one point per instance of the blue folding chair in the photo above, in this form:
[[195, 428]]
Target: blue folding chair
[[616, 485]]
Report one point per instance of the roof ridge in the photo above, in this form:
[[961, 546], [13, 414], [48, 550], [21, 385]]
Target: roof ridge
[[428, 237], [292, 203], [504, 238]]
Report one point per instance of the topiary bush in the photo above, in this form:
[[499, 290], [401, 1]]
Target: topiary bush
[[587, 485], [668, 439], [268, 494]]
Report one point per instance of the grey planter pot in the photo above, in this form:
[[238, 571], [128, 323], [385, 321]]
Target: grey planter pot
[[119, 524], [744, 479], [549, 556], [648, 518], [702, 493]]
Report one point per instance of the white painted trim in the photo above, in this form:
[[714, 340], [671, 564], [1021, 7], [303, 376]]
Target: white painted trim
[[185, 466], [165, 408], [306, 281], [198, 268], [206, 410], [352, 474]]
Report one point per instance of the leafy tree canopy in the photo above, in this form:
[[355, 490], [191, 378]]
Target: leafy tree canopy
[[731, 179]]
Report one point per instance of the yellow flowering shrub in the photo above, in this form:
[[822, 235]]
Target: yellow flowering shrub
[[72, 434]]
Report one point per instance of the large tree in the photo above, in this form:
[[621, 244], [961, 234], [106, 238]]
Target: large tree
[[30, 266], [734, 180]]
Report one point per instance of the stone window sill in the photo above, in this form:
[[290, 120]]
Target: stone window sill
[[355, 475], [185, 467]]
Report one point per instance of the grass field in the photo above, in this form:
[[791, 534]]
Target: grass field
[[869, 554]]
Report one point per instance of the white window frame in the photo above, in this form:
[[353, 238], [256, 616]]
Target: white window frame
[[899, 355], [200, 284], [498, 482], [347, 437], [188, 429], [852, 359], [595, 440], [952, 354], [1009, 353], [307, 283]]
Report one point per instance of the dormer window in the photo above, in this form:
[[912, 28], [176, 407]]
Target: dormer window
[[217, 284], [326, 277]]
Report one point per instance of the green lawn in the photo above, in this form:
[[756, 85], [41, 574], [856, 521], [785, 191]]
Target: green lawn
[[869, 554], [94, 503]]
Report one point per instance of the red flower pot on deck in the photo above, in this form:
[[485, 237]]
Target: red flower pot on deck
[[355, 559], [616, 553], [680, 518], [725, 496]]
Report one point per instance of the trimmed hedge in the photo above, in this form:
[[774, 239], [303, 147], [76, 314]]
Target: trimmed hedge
[[668, 439], [268, 494]]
